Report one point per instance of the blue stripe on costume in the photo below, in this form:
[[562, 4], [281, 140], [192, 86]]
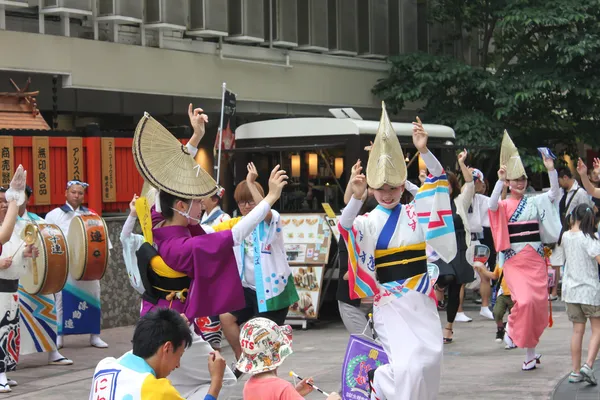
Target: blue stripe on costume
[[258, 236], [362, 285], [441, 231], [389, 228]]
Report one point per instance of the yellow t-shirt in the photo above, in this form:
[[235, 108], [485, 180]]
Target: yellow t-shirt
[[503, 285]]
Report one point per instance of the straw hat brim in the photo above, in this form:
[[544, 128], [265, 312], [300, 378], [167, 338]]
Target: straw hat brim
[[166, 164]]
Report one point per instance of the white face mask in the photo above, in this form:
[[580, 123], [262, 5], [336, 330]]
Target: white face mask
[[186, 214]]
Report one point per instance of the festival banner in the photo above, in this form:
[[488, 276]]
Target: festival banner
[[362, 356], [109, 187], [6, 158], [75, 163], [41, 170]]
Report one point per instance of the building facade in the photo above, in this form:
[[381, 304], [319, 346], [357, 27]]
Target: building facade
[[108, 61]]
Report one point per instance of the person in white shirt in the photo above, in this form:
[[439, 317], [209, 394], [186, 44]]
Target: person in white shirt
[[80, 297], [213, 214], [38, 331], [479, 224]]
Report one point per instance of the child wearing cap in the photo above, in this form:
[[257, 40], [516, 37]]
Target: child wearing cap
[[265, 345]]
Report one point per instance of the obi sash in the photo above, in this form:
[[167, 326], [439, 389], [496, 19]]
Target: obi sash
[[160, 281], [524, 232], [401, 263]]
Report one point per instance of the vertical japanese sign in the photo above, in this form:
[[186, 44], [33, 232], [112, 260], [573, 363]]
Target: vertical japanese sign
[[6, 160], [41, 170], [74, 159], [109, 187]]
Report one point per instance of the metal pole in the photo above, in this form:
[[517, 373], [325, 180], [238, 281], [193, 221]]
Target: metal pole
[[221, 133]]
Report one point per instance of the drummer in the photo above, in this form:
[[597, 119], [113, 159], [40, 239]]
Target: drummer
[[78, 297], [38, 333]]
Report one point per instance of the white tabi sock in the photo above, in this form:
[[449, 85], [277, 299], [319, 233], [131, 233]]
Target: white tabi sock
[[3, 379], [529, 354]]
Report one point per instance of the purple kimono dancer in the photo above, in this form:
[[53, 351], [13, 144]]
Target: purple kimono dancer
[[209, 261]]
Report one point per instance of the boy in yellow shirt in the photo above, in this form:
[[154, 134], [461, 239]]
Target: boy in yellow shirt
[[503, 300]]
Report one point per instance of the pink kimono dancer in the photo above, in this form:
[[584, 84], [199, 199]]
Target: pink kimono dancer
[[526, 275], [527, 278]]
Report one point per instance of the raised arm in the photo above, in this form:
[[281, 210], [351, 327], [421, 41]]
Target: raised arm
[[244, 228], [251, 182], [198, 120], [468, 189], [348, 192], [131, 218], [498, 188], [420, 138], [15, 196], [554, 192], [358, 187], [585, 180]]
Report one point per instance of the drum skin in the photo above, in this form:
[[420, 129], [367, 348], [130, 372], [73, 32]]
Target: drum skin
[[52, 263], [88, 247]]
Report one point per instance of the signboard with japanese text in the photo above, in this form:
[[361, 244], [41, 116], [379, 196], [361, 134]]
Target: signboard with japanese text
[[75, 159], [41, 170], [307, 238], [109, 186], [6, 159]]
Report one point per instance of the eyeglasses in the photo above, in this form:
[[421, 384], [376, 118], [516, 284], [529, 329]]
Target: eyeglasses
[[246, 203]]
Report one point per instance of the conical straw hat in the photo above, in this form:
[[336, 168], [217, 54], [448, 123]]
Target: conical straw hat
[[509, 156], [166, 164], [386, 160]]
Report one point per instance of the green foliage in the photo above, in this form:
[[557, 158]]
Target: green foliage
[[538, 74]]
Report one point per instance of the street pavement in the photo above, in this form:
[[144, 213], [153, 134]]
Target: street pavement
[[475, 366]]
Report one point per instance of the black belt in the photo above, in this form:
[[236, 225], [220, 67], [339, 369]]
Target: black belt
[[9, 285], [531, 232], [400, 271]]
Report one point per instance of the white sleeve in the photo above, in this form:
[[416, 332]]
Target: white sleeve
[[593, 247], [350, 213], [128, 226], [496, 194], [554, 192], [51, 217], [411, 187], [193, 151], [432, 163], [247, 224]]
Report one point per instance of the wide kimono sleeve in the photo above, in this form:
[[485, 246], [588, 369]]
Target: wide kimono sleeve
[[498, 218], [432, 204], [209, 261], [131, 243], [359, 236]]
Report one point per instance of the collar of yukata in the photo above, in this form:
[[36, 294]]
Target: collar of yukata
[[76, 182]]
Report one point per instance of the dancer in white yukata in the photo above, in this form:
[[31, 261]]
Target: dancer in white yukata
[[388, 260]]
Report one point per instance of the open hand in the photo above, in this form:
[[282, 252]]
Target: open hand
[[581, 167], [369, 147], [548, 163], [359, 186], [277, 182], [420, 136], [19, 179], [303, 387], [132, 210], [502, 173], [252, 173], [355, 169], [597, 166], [198, 120], [5, 262], [462, 156]]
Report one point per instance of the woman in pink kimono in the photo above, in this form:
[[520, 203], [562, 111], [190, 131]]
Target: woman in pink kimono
[[520, 225]]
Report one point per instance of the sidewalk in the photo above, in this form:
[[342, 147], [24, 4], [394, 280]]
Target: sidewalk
[[475, 367]]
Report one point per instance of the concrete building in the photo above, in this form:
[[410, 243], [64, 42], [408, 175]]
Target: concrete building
[[108, 61]]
